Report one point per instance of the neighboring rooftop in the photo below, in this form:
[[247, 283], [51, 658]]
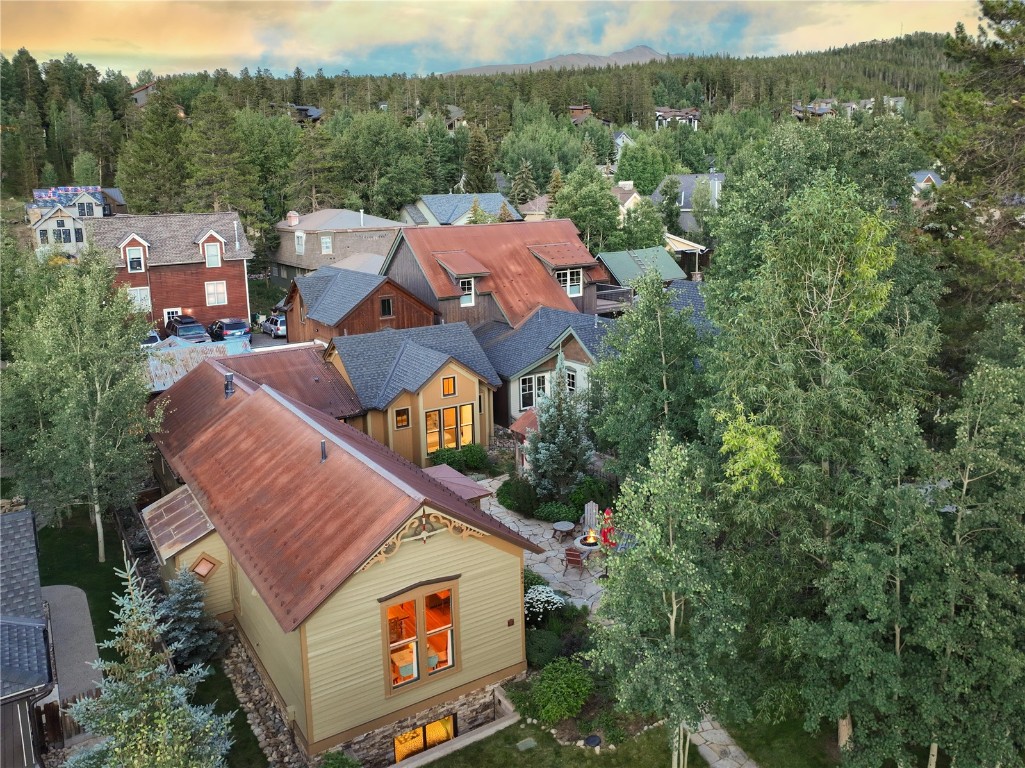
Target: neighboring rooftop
[[686, 294], [24, 654], [337, 220], [331, 293], [448, 209], [627, 266], [171, 358], [173, 238]]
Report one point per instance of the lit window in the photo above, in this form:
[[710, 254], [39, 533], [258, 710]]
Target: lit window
[[386, 307], [300, 242], [140, 297], [421, 634], [216, 293], [424, 737], [466, 287], [571, 281], [325, 243], [448, 386], [134, 257], [212, 251], [401, 418], [204, 566]]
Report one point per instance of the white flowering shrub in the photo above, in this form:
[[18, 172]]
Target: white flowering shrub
[[538, 602]]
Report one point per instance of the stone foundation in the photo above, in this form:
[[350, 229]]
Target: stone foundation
[[376, 749]]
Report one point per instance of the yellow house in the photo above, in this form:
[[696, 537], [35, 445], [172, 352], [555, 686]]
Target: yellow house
[[380, 606], [421, 388]]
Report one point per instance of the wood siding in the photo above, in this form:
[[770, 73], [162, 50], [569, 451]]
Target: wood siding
[[217, 586], [344, 636], [407, 312], [484, 308], [405, 271]]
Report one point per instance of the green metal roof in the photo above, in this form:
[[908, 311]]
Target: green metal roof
[[626, 266]]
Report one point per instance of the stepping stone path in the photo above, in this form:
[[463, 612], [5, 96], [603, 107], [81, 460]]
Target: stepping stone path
[[713, 742]]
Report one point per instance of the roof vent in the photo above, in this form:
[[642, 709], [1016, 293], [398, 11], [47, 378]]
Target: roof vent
[[292, 218], [323, 451], [229, 385], [236, 234], [361, 217]]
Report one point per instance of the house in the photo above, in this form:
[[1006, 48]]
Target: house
[[525, 355], [496, 271], [665, 116], [57, 215], [455, 117], [578, 113], [25, 641], [626, 196], [689, 182], [421, 389], [627, 266], [338, 302], [142, 94], [382, 608], [305, 113], [536, 209], [179, 263], [434, 210], [622, 139], [323, 237], [923, 182]]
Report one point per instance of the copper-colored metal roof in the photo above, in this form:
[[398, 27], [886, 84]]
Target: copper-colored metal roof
[[526, 423], [299, 526], [457, 482], [175, 522], [517, 279], [563, 254], [301, 373], [461, 264]]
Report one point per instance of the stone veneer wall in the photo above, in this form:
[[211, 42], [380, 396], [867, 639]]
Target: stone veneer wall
[[376, 749]]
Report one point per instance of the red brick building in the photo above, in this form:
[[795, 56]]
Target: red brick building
[[179, 263]]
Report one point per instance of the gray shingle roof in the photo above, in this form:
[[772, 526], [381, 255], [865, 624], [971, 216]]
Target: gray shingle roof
[[686, 294], [381, 365], [449, 208], [172, 237], [331, 293], [415, 214], [688, 182], [513, 350], [335, 219], [24, 661]]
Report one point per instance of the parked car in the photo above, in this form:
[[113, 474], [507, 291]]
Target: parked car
[[275, 326], [230, 328], [151, 338], [188, 328]]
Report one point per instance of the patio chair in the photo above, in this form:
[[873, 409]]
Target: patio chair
[[590, 519], [575, 558]]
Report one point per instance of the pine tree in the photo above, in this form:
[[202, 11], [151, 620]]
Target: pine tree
[[143, 709], [33, 145], [192, 634], [478, 166], [151, 170], [555, 183], [559, 452], [478, 215], [86, 169], [312, 176], [523, 188], [504, 214]]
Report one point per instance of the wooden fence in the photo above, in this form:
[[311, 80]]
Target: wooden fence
[[56, 725]]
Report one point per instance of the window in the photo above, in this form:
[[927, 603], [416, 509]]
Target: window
[[402, 418], [171, 312], [571, 379], [449, 427], [420, 627], [140, 297], [216, 293], [134, 257], [325, 243], [424, 737], [85, 209], [571, 281], [44, 236], [300, 243], [212, 252], [79, 235], [65, 235], [530, 388], [60, 223], [448, 386], [274, 269], [204, 566], [386, 307], [466, 286]]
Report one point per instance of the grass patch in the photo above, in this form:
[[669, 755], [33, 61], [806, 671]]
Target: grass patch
[[6, 487], [648, 749], [786, 743], [217, 690], [263, 295]]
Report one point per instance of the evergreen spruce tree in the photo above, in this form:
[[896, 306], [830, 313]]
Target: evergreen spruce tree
[[312, 177], [151, 171], [670, 205], [504, 214], [478, 215], [555, 183], [143, 710], [559, 452], [478, 167], [194, 635], [523, 188]]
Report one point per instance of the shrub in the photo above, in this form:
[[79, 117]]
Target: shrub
[[590, 489], [553, 511], [532, 579], [339, 759], [192, 635], [538, 602], [543, 647], [516, 494], [450, 456], [475, 457], [561, 691]]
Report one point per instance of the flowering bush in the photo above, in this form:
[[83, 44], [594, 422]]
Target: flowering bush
[[539, 602]]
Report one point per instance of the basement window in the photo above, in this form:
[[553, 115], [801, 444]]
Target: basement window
[[424, 737]]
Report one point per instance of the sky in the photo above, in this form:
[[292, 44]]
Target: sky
[[425, 36]]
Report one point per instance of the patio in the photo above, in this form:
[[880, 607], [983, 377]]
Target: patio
[[583, 589]]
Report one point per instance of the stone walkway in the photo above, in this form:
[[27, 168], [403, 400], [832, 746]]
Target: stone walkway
[[716, 746]]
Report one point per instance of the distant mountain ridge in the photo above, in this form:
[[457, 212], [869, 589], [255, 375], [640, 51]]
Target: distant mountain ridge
[[639, 54]]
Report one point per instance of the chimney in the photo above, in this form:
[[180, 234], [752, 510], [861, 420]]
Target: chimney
[[229, 385], [323, 451], [236, 235], [292, 218], [361, 217]]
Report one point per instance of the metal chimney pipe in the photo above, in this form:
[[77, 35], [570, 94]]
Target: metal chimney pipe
[[361, 217], [323, 451], [229, 385]]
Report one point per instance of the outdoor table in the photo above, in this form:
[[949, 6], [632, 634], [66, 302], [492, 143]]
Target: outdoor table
[[563, 527]]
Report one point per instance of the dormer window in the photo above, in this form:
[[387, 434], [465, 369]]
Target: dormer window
[[212, 251], [571, 281], [469, 296], [133, 255], [300, 243], [85, 209]]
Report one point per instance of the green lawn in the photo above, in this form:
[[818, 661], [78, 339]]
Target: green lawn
[[67, 555], [785, 744]]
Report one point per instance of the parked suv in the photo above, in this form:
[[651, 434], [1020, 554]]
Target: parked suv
[[188, 328], [230, 328], [275, 326]]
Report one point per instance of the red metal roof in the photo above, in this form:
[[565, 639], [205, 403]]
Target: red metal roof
[[526, 423], [461, 264], [563, 254], [300, 373], [457, 482], [297, 525], [517, 279], [174, 522]]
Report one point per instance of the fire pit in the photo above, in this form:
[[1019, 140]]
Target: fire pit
[[589, 541]]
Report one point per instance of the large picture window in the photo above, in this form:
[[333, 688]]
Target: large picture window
[[571, 281], [420, 626], [449, 427], [140, 297]]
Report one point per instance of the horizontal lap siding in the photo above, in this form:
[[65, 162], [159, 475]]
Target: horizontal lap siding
[[183, 285], [347, 668], [280, 653], [218, 584]]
